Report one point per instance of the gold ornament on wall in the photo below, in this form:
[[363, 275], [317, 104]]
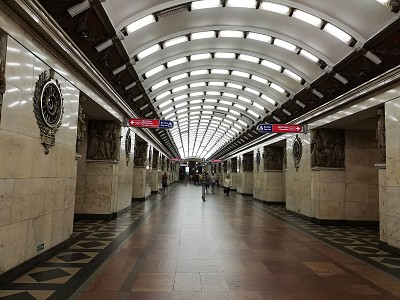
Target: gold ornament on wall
[[48, 106], [297, 152]]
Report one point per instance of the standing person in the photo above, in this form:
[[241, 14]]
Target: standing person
[[207, 181], [186, 178], [212, 183], [164, 180], [217, 180], [227, 185]]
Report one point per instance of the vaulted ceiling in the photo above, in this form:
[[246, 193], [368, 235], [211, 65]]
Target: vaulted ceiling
[[217, 68]]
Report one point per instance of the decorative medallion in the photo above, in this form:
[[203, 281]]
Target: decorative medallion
[[297, 152], [48, 106], [258, 160], [128, 146]]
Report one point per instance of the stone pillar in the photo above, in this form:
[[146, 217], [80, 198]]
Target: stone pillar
[[102, 177], [269, 177], [382, 202], [154, 182], [245, 181], [234, 173], [140, 189]]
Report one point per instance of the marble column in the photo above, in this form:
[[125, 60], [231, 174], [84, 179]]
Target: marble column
[[155, 184], [245, 178], [140, 184]]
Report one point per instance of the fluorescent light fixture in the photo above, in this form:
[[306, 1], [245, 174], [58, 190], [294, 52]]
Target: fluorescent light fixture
[[165, 103], [180, 97], [253, 113], [225, 102], [241, 3], [229, 95], [208, 107], [203, 35], [198, 72], [308, 18], [271, 65], [163, 95], [180, 105], [180, 76], [292, 75], [222, 108], [259, 79], [210, 100], [205, 4], [154, 71], [160, 84], [197, 84], [252, 91], [179, 88], [196, 94], [176, 62], [213, 93], [170, 116], [278, 88], [175, 41], [338, 33], [243, 123], [167, 111], [181, 111], [148, 51], [78, 8], [234, 86], [220, 71], [259, 37], [309, 56], [225, 55], [276, 8], [140, 23], [196, 101], [240, 106], [241, 74], [285, 45], [249, 58], [231, 117], [216, 83], [231, 34], [255, 104], [265, 97], [200, 56], [241, 98]]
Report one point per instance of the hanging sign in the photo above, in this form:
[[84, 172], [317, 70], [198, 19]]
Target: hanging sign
[[148, 123], [280, 128]]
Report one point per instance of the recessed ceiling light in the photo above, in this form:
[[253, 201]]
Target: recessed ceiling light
[[205, 4], [140, 23], [148, 51]]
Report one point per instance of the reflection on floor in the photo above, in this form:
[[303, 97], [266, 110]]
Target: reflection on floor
[[175, 246]]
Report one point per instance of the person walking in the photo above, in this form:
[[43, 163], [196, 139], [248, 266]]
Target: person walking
[[227, 185], [212, 183], [207, 181]]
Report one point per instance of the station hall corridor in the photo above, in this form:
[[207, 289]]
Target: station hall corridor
[[175, 246]]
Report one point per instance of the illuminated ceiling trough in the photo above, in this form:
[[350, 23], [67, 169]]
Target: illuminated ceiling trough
[[217, 68]]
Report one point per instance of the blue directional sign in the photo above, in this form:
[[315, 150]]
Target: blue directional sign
[[166, 124], [264, 128]]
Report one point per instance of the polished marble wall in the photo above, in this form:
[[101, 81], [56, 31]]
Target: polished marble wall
[[245, 183], [37, 191], [392, 218], [141, 188]]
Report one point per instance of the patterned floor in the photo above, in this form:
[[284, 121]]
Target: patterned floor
[[97, 241]]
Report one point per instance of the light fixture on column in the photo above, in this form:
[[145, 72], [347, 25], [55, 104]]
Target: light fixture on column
[[123, 67], [120, 36], [393, 5], [129, 86], [339, 77], [276, 118], [81, 7], [301, 104], [368, 54]]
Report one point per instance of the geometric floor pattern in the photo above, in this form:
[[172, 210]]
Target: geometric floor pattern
[[96, 241]]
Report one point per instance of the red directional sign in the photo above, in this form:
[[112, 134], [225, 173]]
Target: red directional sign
[[147, 123], [280, 128], [216, 161]]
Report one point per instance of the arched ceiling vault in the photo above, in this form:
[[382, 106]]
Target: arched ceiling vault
[[217, 68]]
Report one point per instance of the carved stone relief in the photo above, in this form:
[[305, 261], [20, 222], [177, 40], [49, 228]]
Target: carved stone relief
[[225, 166], [297, 152], [3, 46], [239, 164], [48, 106], [104, 138], [219, 167], [381, 135], [81, 126], [273, 158], [128, 146], [163, 163], [150, 156], [258, 160], [155, 162], [229, 162], [140, 154], [248, 164], [327, 148], [234, 164]]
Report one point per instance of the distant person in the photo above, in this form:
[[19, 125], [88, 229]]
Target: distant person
[[186, 178], [164, 180], [207, 181], [227, 185], [217, 180], [212, 183]]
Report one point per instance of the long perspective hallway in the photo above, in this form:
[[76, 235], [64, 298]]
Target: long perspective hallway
[[175, 246]]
